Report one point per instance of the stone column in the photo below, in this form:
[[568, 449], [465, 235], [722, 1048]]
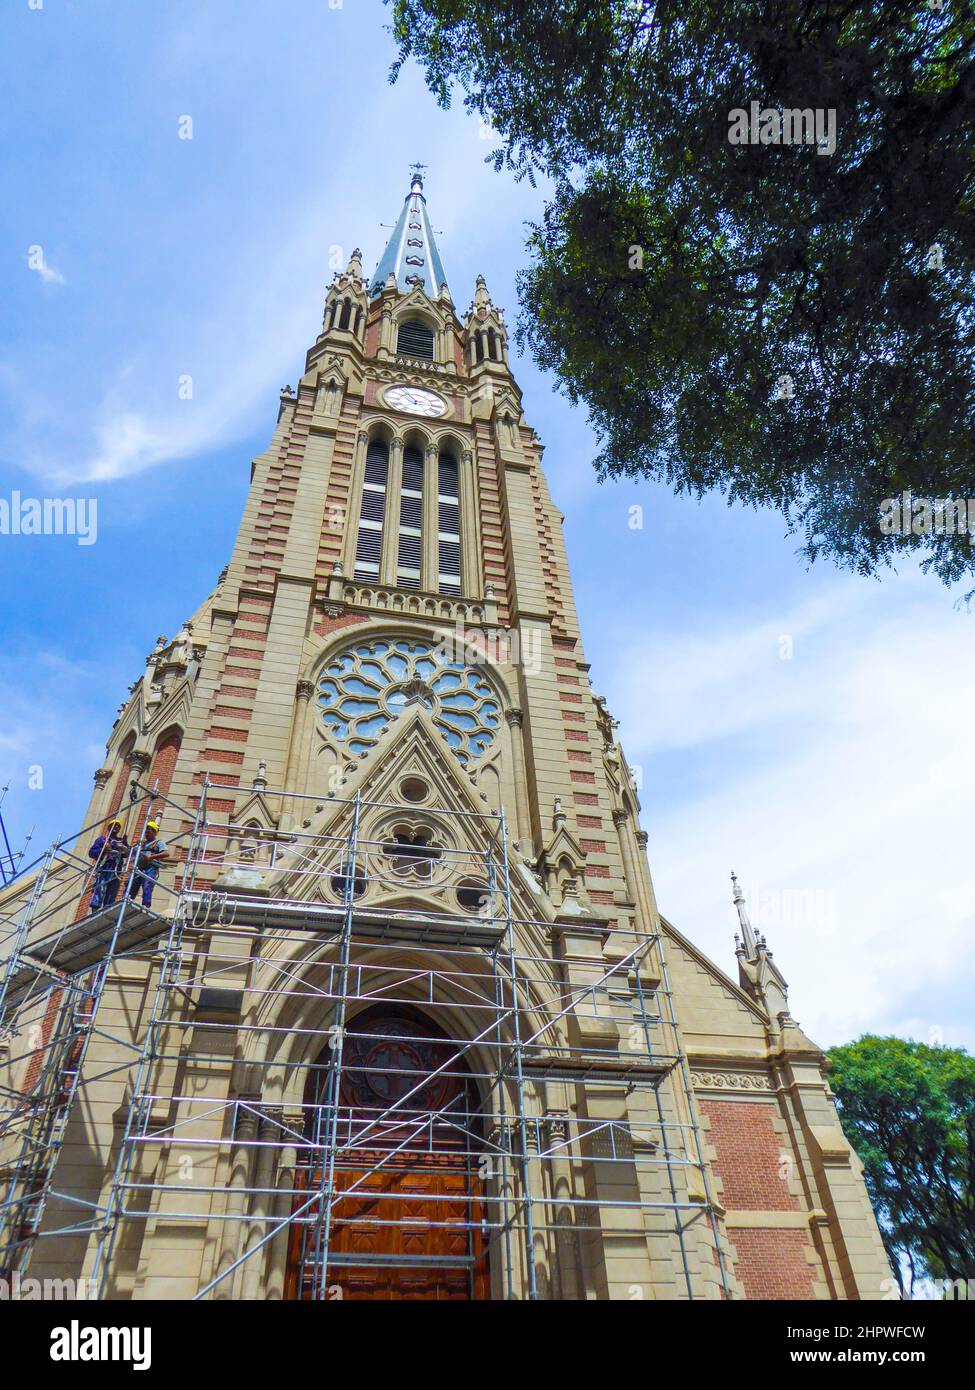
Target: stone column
[[635, 880], [567, 1274], [429, 545], [230, 1244], [283, 1206], [252, 1282], [299, 752], [522, 811], [470, 548], [386, 332], [389, 561], [355, 504]]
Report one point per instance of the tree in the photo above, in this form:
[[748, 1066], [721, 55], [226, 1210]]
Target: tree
[[790, 326], [909, 1111]]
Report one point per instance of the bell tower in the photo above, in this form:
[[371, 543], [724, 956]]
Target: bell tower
[[412, 1024]]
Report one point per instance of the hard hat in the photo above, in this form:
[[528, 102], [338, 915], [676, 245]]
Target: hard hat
[[152, 825], [112, 823]]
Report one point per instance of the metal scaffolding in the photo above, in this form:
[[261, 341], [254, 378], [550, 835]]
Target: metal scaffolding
[[343, 1052]]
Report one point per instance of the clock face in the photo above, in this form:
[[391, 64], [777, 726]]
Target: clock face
[[414, 401]]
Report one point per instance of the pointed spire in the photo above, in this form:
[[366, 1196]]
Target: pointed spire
[[758, 974], [411, 256], [747, 935]]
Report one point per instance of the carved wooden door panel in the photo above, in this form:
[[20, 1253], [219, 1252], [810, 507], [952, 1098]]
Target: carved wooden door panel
[[411, 1227]]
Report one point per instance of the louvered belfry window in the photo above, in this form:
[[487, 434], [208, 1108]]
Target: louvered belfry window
[[369, 544], [448, 525], [415, 339], [410, 520]]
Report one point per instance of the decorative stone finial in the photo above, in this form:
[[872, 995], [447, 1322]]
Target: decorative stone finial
[[747, 935], [758, 974]]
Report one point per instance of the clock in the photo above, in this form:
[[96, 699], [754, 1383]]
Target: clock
[[414, 401]]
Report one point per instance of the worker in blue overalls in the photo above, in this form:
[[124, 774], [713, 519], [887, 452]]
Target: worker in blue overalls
[[109, 851], [151, 856]]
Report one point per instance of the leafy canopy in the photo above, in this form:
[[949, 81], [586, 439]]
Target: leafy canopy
[[675, 277], [909, 1111]]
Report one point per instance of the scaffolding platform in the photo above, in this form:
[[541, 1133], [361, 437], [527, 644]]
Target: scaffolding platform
[[69, 951], [220, 908]]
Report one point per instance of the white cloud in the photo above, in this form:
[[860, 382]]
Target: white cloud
[[840, 791], [241, 331]]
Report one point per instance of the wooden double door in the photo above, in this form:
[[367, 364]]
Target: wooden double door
[[407, 1153]]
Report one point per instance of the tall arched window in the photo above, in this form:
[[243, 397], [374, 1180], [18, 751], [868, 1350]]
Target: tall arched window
[[415, 339], [369, 543], [410, 520], [448, 525]]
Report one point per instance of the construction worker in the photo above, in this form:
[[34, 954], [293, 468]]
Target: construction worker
[[109, 852], [152, 854]]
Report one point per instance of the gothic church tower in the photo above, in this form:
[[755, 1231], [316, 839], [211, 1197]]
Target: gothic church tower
[[403, 1019]]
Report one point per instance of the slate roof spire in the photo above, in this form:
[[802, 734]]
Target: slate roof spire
[[411, 254]]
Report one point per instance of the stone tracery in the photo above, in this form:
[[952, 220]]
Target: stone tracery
[[364, 688]]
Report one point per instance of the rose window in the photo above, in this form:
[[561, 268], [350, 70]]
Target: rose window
[[365, 688]]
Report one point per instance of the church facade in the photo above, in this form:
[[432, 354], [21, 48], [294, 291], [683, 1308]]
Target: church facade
[[403, 1019]]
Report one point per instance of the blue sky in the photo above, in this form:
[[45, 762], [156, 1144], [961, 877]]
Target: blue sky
[[837, 780]]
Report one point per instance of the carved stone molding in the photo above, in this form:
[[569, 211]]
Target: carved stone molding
[[557, 1124], [304, 690], [731, 1081]]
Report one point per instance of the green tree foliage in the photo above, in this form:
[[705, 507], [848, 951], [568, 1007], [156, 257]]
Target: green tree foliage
[[909, 1111], [675, 276]]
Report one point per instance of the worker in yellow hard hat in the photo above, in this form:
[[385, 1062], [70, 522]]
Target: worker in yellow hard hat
[[109, 851], [151, 856]]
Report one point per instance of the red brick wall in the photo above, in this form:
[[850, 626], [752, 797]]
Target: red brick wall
[[754, 1169], [164, 761], [772, 1264], [749, 1154]]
